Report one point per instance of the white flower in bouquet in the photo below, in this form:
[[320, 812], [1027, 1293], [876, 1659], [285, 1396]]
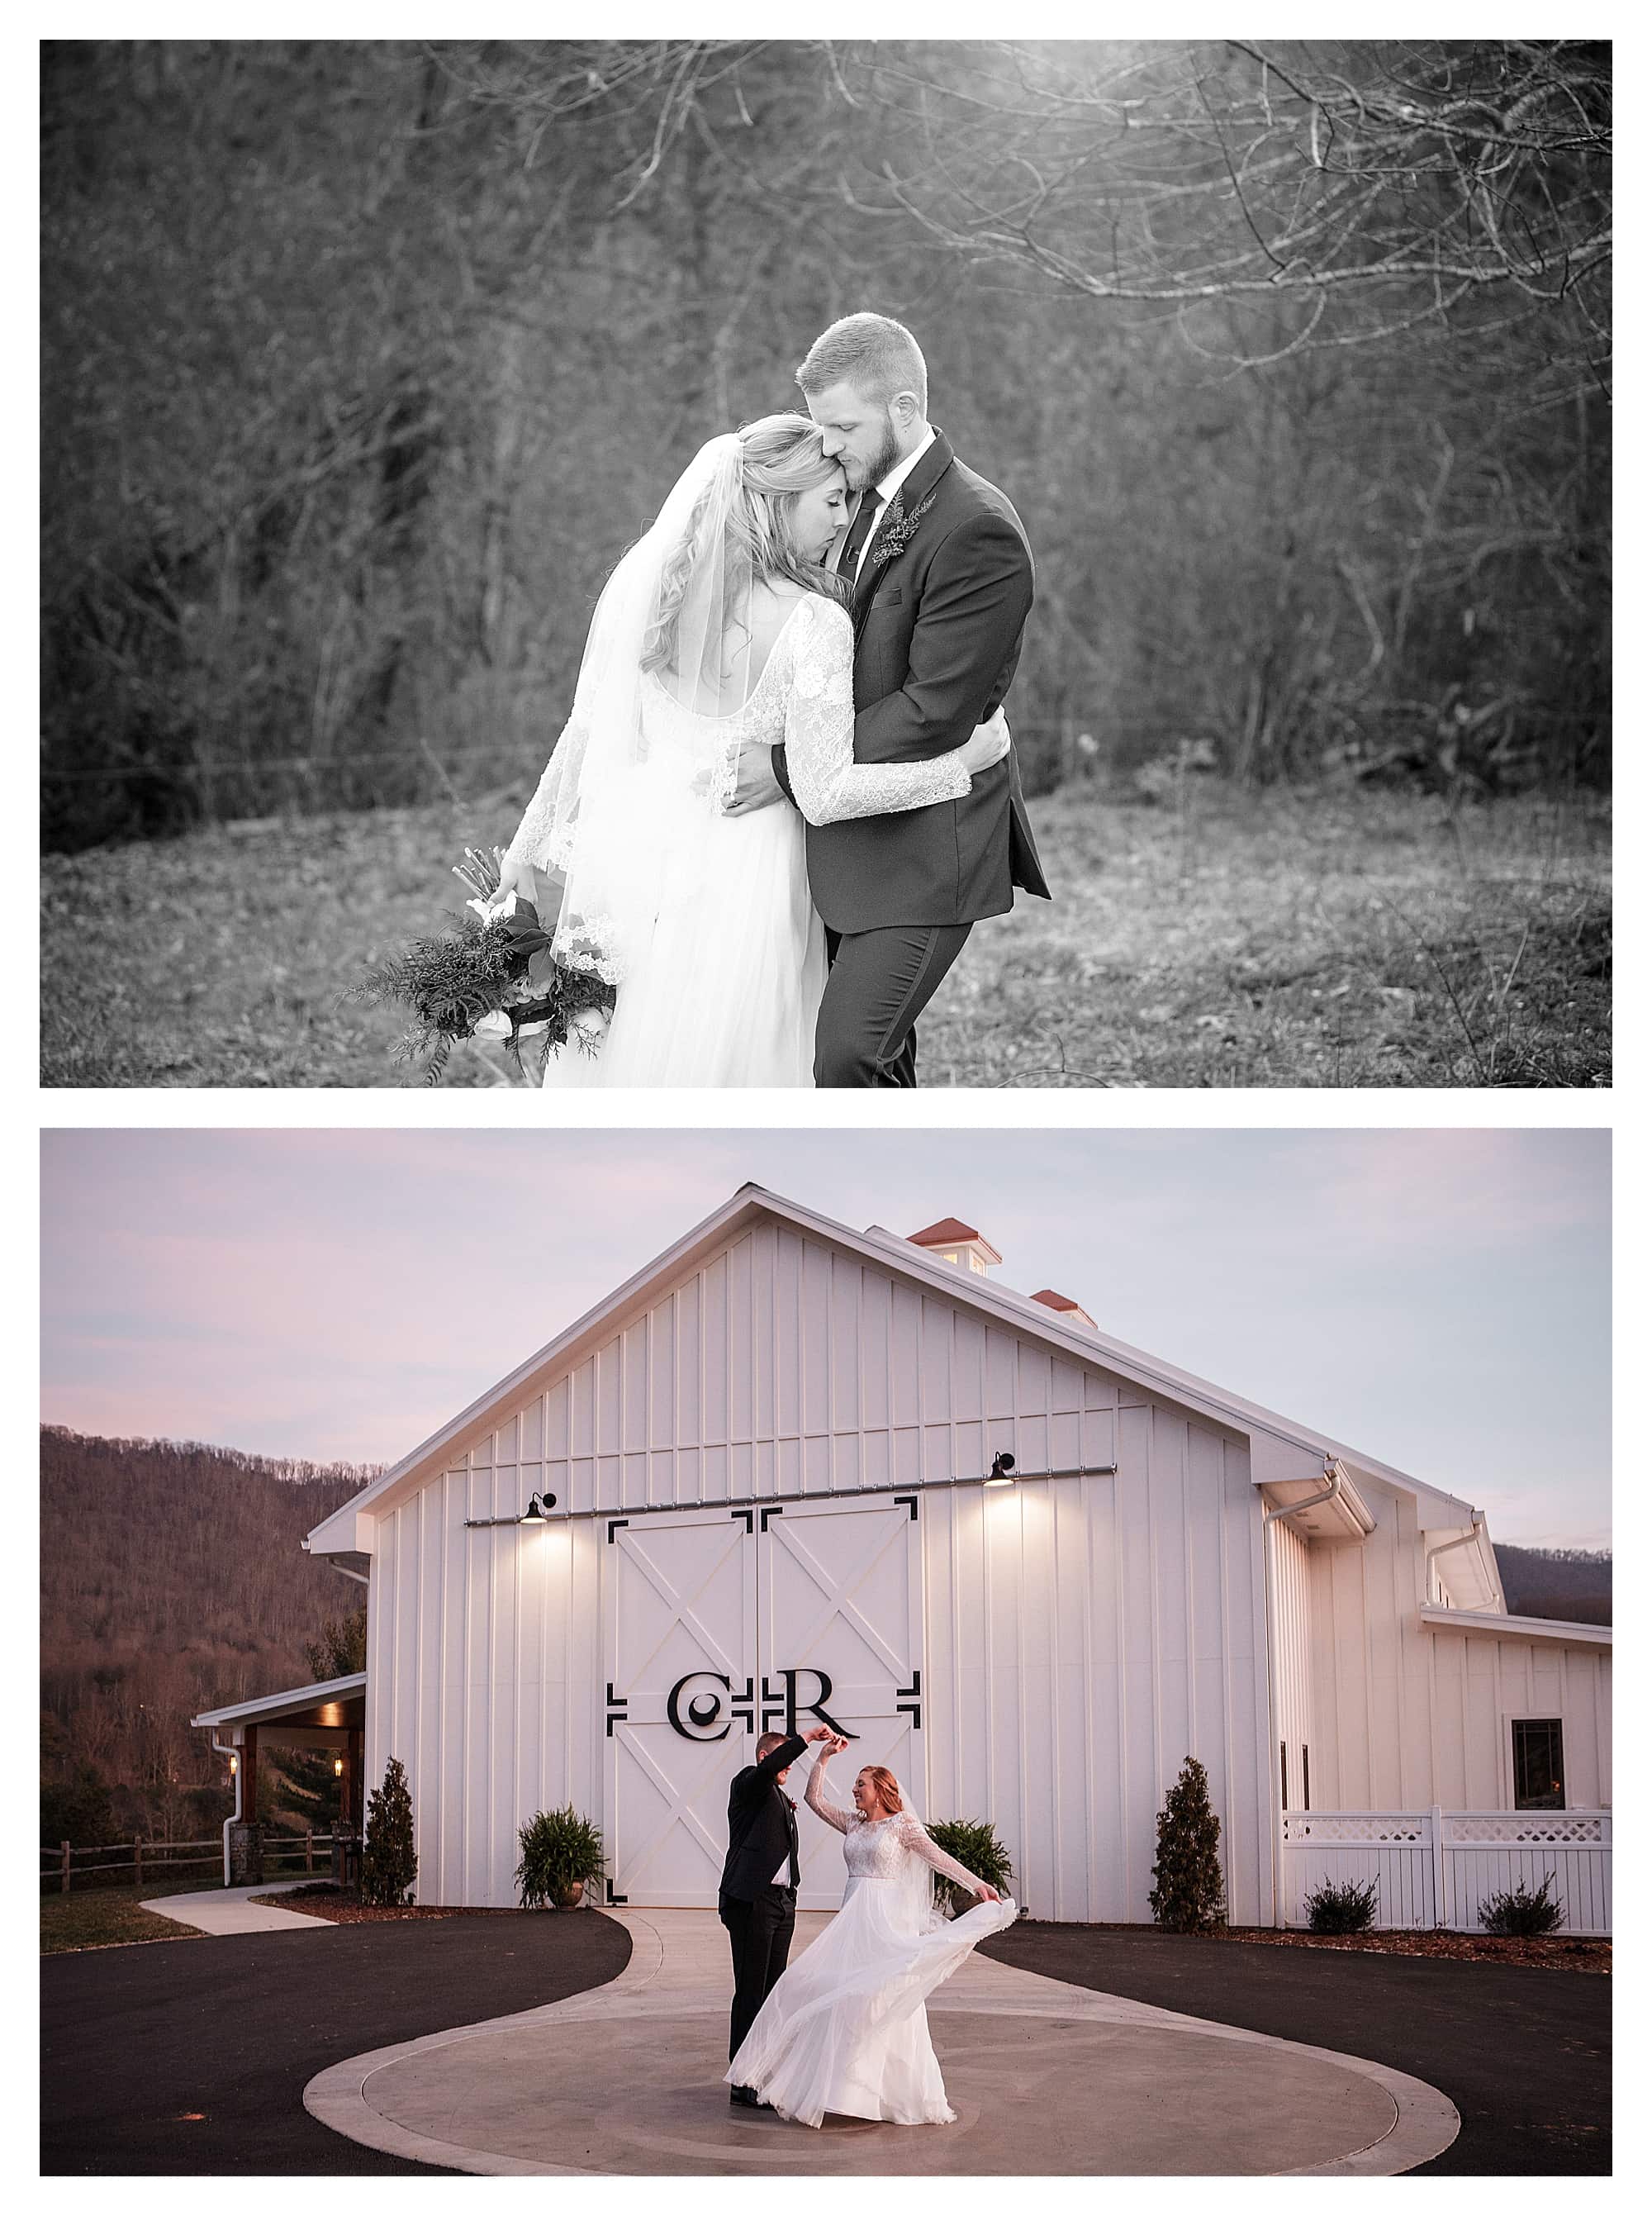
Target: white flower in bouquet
[[495, 1025]]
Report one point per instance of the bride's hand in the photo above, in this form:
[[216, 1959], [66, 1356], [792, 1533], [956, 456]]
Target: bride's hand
[[986, 745], [988, 1892]]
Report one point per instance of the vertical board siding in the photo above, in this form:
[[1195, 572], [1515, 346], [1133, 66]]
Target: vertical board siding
[[1405, 1715], [1084, 1634]]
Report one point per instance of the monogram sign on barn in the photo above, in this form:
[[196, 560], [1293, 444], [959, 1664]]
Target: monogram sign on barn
[[719, 1625]]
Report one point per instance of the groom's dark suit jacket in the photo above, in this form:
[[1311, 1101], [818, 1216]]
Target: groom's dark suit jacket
[[762, 1825], [937, 635]]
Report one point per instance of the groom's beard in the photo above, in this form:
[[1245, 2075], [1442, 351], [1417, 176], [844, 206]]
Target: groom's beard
[[887, 458]]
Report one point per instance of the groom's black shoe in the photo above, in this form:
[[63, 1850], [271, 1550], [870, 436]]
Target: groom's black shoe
[[744, 2097]]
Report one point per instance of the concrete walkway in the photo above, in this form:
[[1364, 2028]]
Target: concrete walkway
[[228, 1908], [1048, 2079]]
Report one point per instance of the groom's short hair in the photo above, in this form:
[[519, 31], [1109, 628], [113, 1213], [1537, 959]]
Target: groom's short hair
[[769, 1740], [879, 356]]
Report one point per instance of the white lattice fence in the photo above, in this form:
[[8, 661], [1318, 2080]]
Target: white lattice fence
[[1434, 1868]]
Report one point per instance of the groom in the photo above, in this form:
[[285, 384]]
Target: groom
[[757, 1899], [941, 578]]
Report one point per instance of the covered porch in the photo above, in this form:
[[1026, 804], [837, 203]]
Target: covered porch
[[328, 1717]]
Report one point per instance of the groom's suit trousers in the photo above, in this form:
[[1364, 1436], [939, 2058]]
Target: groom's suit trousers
[[759, 1936], [880, 983]]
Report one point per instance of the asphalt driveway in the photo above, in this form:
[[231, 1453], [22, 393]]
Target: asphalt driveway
[[190, 2059], [1524, 2054]]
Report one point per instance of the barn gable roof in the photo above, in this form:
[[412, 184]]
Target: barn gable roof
[[1081, 1343]]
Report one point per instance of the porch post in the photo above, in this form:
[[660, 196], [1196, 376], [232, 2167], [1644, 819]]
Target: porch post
[[246, 1842]]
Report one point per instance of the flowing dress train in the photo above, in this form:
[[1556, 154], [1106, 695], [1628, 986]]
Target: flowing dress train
[[844, 2031]]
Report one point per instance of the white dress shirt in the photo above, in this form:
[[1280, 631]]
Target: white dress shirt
[[888, 487]]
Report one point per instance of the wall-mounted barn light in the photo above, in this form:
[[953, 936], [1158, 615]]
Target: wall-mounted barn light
[[1002, 1470], [235, 1764], [535, 1512]]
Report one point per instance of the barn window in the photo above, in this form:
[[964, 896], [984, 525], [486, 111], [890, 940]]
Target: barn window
[[1284, 1776], [1539, 1772], [1306, 1801]]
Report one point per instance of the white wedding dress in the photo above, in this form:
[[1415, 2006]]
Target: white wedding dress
[[844, 2032], [726, 958]]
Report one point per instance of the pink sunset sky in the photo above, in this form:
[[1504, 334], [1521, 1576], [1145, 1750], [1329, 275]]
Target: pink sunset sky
[[1437, 1299]]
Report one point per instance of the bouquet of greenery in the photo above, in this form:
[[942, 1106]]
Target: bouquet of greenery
[[494, 977]]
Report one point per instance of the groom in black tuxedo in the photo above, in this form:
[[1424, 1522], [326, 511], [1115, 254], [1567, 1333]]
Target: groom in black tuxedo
[[757, 1899], [942, 580]]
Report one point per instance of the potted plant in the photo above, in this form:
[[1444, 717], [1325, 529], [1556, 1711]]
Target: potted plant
[[979, 1849], [561, 1853]]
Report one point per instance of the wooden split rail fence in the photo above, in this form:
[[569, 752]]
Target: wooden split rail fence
[[146, 1861]]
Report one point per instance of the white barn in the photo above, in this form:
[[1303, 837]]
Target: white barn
[[758, 1480]]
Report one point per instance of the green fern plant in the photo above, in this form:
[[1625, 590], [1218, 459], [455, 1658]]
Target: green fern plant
[[979, 1849], [561, 1851]]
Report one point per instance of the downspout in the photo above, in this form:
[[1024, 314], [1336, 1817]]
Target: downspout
[[343, 1573], [219, 1747], [1445, 1547], [1334, 1472]]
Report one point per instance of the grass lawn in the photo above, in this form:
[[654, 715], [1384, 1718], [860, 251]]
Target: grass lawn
[[1228, 939], [109, 1916]]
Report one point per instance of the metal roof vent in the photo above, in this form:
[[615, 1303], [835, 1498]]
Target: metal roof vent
[[1069, 1311]]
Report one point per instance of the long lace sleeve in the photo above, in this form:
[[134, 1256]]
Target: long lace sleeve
[[913, 1835], [815, 1794], [541, 837], [828, 783]]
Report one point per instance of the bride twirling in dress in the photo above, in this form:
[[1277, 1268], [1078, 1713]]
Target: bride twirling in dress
[[844, 2031], [719, 626]]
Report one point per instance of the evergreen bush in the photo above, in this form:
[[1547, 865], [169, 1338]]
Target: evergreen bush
[[1341, 1909], [1187, 1890], [979, 1849], [388, 1864], [1523, 1914], [561, 1849]]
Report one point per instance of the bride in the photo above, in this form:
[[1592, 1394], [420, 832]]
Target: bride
[[720, 625], [845, 2030]]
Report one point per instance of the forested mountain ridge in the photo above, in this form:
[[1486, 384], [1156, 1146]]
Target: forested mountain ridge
[[172, 1579], [1570, 1584]]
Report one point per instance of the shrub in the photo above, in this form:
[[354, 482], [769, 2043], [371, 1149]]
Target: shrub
[[561, 1849], [1523, 1914], [1187, 1890], [1342, 1908], [979, 1849], [388, 1864]]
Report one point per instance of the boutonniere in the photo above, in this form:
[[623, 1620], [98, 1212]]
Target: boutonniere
[[893, 540]]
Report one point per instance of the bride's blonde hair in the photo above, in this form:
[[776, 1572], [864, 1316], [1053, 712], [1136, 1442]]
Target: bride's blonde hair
[[886, 1786], [782, 458]]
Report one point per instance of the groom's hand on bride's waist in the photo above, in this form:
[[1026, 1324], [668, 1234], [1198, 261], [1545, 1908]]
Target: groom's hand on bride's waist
[[756, 785]]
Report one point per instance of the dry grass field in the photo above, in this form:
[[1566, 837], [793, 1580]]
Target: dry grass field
[[1224, 939]]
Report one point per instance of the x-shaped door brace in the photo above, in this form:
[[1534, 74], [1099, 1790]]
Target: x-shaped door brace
[[682, 1812], [682, 1610], [837, 1603]]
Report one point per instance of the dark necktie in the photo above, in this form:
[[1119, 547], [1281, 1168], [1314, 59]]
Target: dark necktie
[[860, 531]]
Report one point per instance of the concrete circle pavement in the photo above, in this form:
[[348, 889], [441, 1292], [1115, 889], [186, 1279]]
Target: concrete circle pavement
[[1048, 2079]]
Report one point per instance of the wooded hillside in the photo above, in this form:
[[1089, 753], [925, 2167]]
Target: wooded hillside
[[1572, 1584], [172, 1580]]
